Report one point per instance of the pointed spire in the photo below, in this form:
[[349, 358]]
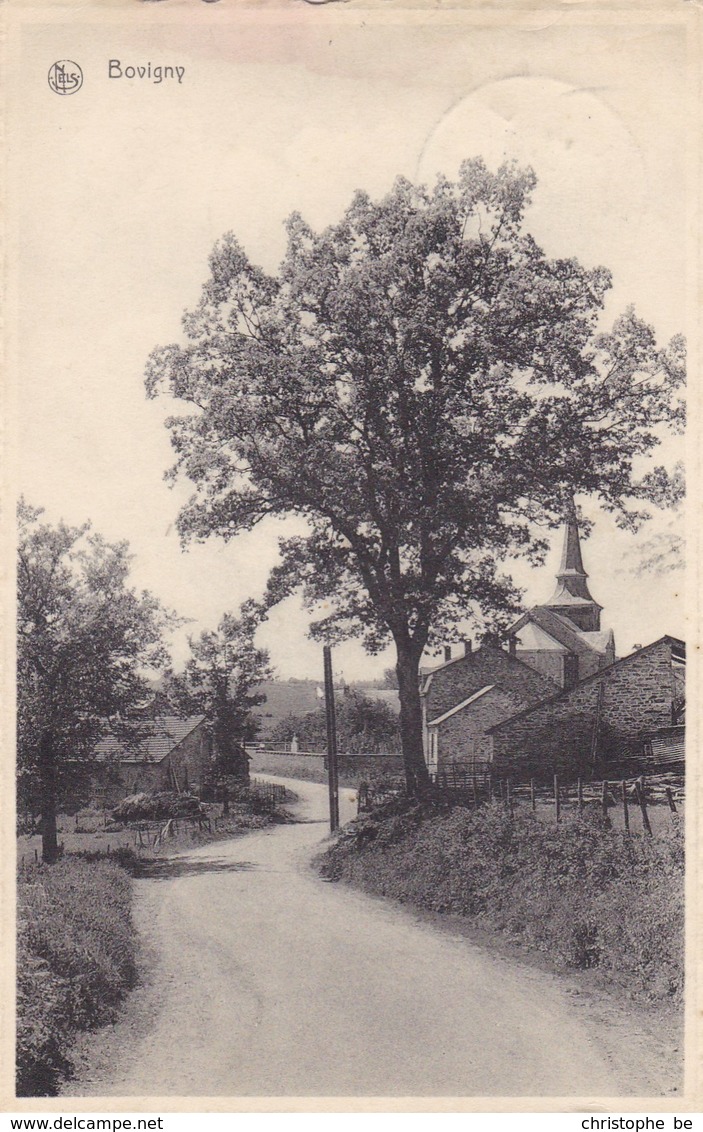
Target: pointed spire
[[572, 597], [571, 561]]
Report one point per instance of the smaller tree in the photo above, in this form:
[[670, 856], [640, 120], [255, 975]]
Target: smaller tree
[[218, 681], [84, 640], [364, 724]]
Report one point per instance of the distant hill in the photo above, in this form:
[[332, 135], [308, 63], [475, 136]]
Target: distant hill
[[297, 697]]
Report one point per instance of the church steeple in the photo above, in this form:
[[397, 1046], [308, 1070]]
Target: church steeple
[[572, 597]]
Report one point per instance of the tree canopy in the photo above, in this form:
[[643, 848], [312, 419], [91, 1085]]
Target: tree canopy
[[85, 639], [424, 386], [363, 724], [218, 680]]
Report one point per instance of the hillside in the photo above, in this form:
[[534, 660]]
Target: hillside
[[297, 697]]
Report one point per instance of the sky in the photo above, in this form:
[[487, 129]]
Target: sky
[[122, 189]]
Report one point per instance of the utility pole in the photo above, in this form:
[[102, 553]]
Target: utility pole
[[332, 773]]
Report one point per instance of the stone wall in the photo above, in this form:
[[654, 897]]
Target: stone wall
[[459, 679], [461, 737], [191, 759], [637, 697]]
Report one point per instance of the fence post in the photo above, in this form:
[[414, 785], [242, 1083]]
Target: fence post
[[604, 799], [639, 787], [579, 794], [533, 800], [670, 800], [509, 796], [625, 809], [557, 799]]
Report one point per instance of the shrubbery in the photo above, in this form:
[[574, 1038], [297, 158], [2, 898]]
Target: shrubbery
[[588, 895], [75, 961]]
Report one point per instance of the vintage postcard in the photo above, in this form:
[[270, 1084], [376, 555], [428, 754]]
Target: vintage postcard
[[345, 513]]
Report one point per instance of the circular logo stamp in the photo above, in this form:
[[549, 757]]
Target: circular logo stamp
[[65, 77]]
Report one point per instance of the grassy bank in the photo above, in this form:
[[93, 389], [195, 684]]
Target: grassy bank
[[76, 960], [76, 947], [586, 895]]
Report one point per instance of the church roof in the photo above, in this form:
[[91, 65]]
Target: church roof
[[563, 631]]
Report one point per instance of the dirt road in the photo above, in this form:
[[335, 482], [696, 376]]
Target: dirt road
[[267, 981]]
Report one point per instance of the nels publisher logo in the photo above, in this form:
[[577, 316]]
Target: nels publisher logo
[[65, 77]]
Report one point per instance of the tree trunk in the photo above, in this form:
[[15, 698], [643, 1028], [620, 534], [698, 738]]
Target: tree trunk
[[407, 667], [47, 777]]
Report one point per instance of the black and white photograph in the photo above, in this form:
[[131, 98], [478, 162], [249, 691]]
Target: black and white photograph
[[345, 506]]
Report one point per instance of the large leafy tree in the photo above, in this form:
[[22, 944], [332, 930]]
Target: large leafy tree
[[424, 386], [220, 679], [85, 640]]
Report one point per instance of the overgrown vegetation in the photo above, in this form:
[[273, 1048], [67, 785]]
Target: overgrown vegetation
[[363, 724], [588, 895], [76, 960]]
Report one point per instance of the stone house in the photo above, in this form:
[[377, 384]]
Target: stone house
[[173, 753], [603, 721], [466, 695]]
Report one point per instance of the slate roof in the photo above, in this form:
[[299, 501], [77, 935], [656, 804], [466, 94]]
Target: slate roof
[[164, 733], [678, 651], [461, 706], [563, 631]]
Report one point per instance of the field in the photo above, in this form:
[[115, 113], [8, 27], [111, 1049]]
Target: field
[[93, 831]]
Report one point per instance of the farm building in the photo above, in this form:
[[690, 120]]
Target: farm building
[[622, 712], [466, 695], [174, 753]]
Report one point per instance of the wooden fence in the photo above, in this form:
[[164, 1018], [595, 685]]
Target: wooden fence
[[475, 785]]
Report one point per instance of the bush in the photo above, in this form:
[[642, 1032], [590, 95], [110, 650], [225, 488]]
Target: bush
[[76, 961], [588, 895]]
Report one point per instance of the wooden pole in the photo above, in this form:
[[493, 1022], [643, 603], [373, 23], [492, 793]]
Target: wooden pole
[[332, 772], [625, 809], [509, 796], [533, 800], [604, 799], [639, 788], [579, 794], [670, 800], [557, 799]]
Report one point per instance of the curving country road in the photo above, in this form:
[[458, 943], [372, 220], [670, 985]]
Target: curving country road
[[267, 981]]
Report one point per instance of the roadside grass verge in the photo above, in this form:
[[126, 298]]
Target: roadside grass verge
[[585, 894], [77, 952], [76, 960], [309, 768]]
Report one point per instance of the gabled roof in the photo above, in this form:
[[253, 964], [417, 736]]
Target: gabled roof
[[161, 736], [563, 631], [678, 649], [510, 661], [461, 706]]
